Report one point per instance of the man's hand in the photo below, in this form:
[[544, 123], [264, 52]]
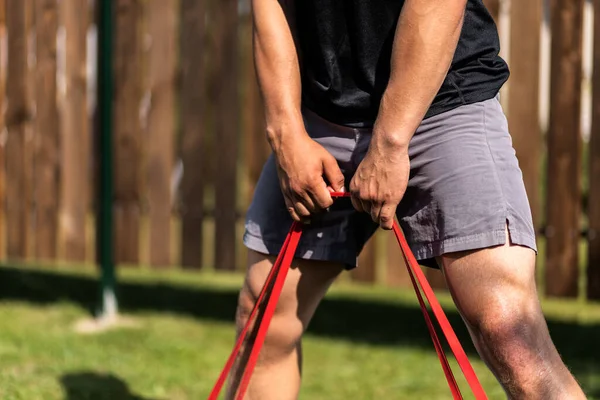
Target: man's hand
[[424, 46], [302, 164], [307, 174], [380, 181]]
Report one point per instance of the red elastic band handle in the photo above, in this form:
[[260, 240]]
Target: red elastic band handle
[[279, 273], [290, 251], [454, 388], [455, 346], [214, 395]]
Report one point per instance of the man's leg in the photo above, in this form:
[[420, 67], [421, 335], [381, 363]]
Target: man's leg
[[494, 290], [277, 373]]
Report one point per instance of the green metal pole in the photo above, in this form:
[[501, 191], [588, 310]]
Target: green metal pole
[[104, 217]]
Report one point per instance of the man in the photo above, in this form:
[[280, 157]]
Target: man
[[395, 101]]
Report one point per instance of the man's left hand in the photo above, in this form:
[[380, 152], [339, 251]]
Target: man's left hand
[[381, 180]]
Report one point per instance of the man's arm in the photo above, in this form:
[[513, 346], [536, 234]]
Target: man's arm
[[424, 45], [307, 172], [277, 68]]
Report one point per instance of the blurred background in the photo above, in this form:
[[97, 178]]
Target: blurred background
[[123, 204]]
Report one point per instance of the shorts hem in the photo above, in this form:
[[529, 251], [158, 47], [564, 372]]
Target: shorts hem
[[429, 251]]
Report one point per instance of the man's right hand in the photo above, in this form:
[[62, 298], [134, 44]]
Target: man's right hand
[[307, 174], [303, 165]]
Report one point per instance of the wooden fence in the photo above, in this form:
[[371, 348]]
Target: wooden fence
[[189, 142]]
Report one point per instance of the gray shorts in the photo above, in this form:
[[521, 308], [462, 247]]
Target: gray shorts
[[465, 188]]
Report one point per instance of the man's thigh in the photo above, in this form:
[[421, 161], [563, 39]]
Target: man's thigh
[[493, 283], [305, 286]]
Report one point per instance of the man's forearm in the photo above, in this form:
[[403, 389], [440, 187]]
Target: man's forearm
[[424, 45], [277, 68]]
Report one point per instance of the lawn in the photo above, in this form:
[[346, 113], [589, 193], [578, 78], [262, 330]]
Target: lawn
[[365, 343]]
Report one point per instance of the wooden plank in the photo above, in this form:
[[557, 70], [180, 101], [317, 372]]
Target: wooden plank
[[75, 142], [396, 274], [19, 114], [90, 20], [127, 129], [493, 7], [593, 267], [193, 124], [213, 89], [28, 161], [47, 151], [227, 101], [162, 32], [367, 268], [3, 133], [436, 278], [564, 142], [257, 149], [523, 103]]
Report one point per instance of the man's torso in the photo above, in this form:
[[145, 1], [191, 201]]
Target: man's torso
[[345, 50]]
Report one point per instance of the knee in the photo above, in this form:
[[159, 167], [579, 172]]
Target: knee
[[507, 324], [285, 329]]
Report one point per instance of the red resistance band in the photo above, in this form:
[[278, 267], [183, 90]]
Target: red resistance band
[[272, 290]]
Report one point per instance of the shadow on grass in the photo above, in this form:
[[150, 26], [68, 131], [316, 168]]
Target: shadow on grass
[[95, 386], [359, 320]]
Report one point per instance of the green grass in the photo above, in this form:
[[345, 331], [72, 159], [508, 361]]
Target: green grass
[[364, 343]]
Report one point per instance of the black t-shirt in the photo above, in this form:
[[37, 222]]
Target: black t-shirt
[[346, 46]]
